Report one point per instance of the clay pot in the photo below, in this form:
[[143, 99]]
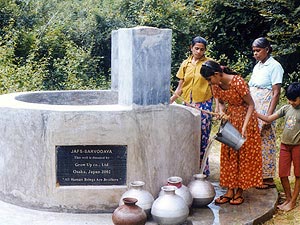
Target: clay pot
[[203, 191], [136, 190], [169, 208], [181, 190], [129, 213]]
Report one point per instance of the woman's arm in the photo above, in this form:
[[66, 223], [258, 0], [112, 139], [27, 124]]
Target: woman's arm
[[221, 109], [178, 91], [275, 98], [249, 101], [217, 105]]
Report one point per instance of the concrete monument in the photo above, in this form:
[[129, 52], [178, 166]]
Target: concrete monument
[[76, 151]]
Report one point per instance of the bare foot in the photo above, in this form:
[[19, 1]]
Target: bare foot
[[283, 204], [289, 206]]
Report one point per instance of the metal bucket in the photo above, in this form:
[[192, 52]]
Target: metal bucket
[[229, 135]]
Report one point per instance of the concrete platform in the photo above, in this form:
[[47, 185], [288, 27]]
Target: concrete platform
[[259, 206]]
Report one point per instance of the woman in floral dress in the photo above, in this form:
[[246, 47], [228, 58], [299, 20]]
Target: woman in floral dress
[[240, 169]]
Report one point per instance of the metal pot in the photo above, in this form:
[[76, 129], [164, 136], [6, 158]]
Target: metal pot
[[203, 191], [182, 190], [169, 208], [229, 135]]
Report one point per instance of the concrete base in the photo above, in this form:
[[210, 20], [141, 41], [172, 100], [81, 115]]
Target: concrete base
[[258, 207]]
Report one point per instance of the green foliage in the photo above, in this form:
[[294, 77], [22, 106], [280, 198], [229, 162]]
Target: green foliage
[[53, 45], [19, 77], [180, 16], [239, 66], [285, 34], [66, 44], [232, 26]]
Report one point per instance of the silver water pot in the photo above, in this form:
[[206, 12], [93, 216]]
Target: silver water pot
[[203, 192]]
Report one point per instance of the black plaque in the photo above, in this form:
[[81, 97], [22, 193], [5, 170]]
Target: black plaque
[[91, 165]]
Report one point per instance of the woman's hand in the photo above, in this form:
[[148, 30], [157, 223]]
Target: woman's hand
[[220, 110], [177, 92], [244, 133], [222, 116], [173, 98], [265, 125]]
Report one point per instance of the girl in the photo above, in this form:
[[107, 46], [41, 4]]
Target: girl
[[194, 89], [240, 169]]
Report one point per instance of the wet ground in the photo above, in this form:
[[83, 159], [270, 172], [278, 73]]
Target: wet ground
[[258, 207]]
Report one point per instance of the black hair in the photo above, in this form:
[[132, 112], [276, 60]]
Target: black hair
[[293, 91], [262, 42], [210, 67], [199, 39]]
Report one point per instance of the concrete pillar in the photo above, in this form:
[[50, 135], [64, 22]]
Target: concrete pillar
[[141, 60], [114, 61]]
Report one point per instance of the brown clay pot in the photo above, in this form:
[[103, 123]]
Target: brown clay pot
[[136, 190], [129, 213]]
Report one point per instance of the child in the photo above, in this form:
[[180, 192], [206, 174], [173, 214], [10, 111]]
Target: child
[[290, 144]]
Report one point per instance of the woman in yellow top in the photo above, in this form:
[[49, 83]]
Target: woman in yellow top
[[195, 90]]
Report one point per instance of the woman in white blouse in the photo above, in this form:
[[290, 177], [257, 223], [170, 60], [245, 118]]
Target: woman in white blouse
[[265, 86]]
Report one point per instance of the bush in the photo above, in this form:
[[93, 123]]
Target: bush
[[55, 45]]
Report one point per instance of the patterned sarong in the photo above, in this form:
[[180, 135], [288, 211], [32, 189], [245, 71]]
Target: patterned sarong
[[262, 100], [205, 130]]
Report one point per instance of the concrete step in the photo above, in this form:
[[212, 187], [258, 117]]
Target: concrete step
[[259, 206]]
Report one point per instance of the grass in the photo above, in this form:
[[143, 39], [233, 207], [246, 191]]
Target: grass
[[280, 217], [285, 218]]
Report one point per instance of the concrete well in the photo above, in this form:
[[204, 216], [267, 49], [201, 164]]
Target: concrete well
[[160, 141]]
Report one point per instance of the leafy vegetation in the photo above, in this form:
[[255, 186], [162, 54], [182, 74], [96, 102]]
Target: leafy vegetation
[[66, 44]]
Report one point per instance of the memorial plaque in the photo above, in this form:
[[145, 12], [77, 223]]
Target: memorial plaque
[[91, 165]]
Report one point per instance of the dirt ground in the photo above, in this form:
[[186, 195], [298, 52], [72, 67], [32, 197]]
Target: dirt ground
[[284, 218]]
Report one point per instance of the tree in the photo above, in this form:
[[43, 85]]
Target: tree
[[180, 16], [233, 25], [285, 34], [55, 45], [53, 42]]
